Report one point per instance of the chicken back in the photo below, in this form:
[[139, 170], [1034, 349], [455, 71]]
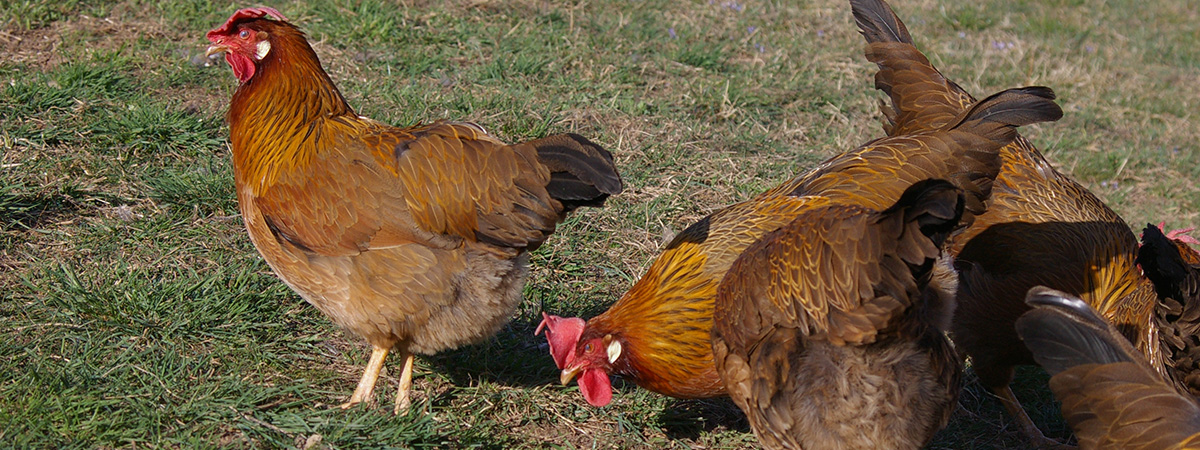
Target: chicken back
[[825, 330]]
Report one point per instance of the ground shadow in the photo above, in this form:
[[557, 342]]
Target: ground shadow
[[517, 358], [981, 420], [688, 419], [22, 211], [514, 357]]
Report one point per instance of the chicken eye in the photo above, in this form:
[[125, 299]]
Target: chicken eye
[[244, 34], [587, 348]]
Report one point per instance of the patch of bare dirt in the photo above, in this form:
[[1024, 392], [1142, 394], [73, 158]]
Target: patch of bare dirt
[[37, 48]]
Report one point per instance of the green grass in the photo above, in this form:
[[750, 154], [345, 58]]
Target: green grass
[[137, 314]]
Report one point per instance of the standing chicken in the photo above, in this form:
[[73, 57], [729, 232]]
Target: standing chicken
[[1110, 396], [416, 239], [658, 333], [1041, 228], [826, 332]]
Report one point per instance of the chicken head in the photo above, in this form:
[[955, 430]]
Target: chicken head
[[242, 46], [589, 359]]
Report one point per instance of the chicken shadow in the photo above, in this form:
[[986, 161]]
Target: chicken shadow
[[689, 419], [514, 357], [23, 211]]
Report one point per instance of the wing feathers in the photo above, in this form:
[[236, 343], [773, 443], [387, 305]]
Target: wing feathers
[[435, 184], [839, 271]]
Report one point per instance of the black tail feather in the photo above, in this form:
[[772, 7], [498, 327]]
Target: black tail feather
[[996, 117], [581, 172], [878, 23]]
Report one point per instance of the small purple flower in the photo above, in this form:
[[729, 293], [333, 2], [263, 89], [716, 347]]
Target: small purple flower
[[671, 33], [1089, 49], [1001, 45], [733, 5], [820, 33], [762, 49], [751, 29], [962, 34], [1103, 184]]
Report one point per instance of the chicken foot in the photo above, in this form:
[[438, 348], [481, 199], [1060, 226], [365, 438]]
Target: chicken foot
[[402, 400], [1028, 429], [366, 385]]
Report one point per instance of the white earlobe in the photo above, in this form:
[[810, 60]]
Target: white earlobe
[[264, 47], [614, 351]]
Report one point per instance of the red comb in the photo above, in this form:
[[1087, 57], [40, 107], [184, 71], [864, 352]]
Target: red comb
[[562, 335], [1182, 236], [1179, 235], [243, 15]]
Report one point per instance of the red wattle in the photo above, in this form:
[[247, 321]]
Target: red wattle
[[596, 387]]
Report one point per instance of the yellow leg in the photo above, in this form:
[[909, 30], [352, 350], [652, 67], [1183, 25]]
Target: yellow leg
[[366, 385], [1031, 431], [402, 400]]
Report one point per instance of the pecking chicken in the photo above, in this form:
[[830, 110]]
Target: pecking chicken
[[658, 333], [1041, 228], [415, 239], [825, 331], [1110, 395]]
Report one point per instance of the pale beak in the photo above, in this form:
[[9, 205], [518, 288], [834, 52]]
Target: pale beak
[[569, 374], [216, 50]]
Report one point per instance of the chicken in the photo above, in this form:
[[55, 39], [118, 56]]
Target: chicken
[[415, 239], [1110, 395], [1041, 228], [658, 333], [825, 330], [1174, 269]]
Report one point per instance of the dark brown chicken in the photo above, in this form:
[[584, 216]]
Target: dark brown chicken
[[826, 332], [415, 239], [1041, 228], [1174, 269], [1110, 395], [657, 334]]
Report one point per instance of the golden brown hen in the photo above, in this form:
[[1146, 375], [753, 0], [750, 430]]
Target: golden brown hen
[[415, 239], [1110, 395], [1041, 228], [826, 334], [657, 334]]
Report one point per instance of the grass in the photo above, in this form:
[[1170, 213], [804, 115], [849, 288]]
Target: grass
[[136, 313]]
